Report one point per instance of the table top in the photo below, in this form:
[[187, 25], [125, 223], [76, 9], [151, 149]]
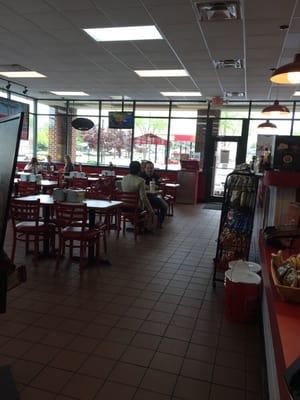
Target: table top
[[173, 185], [47, 199], [43, 182]]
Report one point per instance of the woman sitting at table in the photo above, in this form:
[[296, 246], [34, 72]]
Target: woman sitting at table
[[69, 167], [134, 183], [33, 166], [156, 201]]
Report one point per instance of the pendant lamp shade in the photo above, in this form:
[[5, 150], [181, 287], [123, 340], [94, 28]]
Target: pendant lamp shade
[[288, 74], [82, 124], [275, 109], [267, 124]]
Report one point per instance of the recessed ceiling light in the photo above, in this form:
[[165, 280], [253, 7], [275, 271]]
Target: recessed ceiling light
[[186, 94], [146, 32], [296, 93], [22, 74], [161, 72], [66, 93], [120, 97]]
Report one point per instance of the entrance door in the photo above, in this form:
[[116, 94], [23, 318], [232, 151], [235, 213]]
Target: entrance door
[[222, 154]]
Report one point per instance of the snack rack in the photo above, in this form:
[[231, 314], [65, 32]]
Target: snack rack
[[237, 218]]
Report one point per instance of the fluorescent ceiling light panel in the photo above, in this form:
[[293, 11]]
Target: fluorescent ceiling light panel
[[186, 94], [150, 73], [124, 33], [297, 93], [66, 93], [22, 74]]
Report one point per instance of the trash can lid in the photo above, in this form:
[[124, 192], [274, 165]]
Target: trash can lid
[[249, 265], [241, 276]]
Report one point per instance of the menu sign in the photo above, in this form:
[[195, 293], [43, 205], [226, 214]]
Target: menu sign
[[10, 107]]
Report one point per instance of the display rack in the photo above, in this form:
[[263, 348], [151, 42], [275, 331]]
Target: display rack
[[237, 218]]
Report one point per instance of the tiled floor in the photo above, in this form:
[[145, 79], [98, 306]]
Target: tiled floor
[[149, 327]]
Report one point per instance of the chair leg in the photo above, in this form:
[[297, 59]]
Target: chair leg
[[104, 242], [59, 253], [13, 250], [36, 250], [82, 249], [26, 245]]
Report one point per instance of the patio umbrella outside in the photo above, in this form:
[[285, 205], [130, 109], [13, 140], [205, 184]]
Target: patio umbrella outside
[[150, 139]]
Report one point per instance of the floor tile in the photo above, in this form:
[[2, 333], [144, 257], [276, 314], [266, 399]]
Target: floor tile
[[51, 379], [143, 394], [137, 356], [98, 367], [127, 374], [24, 371], [173, 346], [114, 391], [197, 370], [191, 389], [166, 362], [30, 393], [82, 387], [41, 353], [163, 382], [222, 392], [69, 360], [229, 377], [109, 349], [83, 344]]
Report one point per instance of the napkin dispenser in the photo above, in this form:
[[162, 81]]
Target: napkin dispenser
[[59, 194], [75, 196], [24, 177]]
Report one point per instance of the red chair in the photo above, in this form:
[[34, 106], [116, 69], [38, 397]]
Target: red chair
[[79, 183], [27, 188], [72, 226], [169, 195], [27, 226], [130, 212]]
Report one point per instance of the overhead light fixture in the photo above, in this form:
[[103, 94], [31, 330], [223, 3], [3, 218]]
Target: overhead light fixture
[[234, 94], [152, 73], [8, 86], [288, 74], [275, 109], [124, 33], [185, 94], [296, 93], [68, 93], [267, 125], [219, 11], [25, 91], [120, 97], [22, 74]]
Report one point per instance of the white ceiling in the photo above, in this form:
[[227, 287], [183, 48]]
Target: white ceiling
[[47, 36]]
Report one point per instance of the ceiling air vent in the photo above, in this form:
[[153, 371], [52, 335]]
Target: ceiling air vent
[[219, 11], [237, 63], [234, 94]]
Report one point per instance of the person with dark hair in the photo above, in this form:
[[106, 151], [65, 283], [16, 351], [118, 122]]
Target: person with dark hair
[[49, 165], [156, 201], [134, 183], [33, 166]]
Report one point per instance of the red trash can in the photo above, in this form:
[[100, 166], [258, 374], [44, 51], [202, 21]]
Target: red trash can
[[242, 295]]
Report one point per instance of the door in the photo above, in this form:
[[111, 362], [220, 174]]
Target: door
[[222, 154]]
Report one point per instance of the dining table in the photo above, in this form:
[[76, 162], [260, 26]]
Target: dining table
[[46, 201]]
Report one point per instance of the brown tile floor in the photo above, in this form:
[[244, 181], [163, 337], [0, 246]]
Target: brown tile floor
[[149, 327]]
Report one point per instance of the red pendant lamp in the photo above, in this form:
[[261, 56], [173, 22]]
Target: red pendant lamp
[[267, 125], [275, 109], [288, 74]]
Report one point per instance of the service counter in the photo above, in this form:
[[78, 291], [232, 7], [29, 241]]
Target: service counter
[[281, 320]]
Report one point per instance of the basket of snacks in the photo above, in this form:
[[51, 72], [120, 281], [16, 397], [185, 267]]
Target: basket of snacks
[[286, 276]]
